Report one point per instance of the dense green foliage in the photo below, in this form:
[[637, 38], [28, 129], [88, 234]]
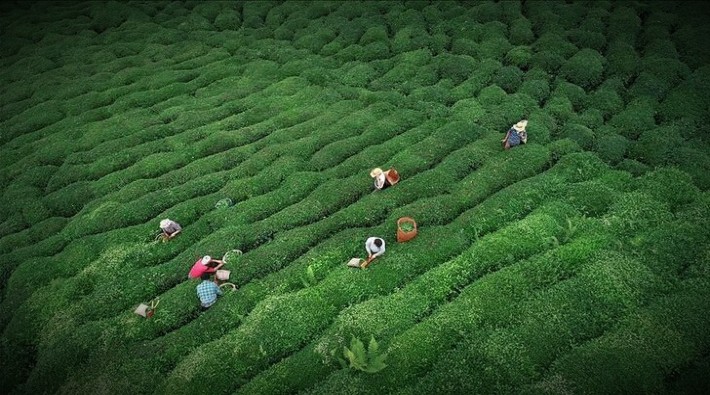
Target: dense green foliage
[[576, 263]]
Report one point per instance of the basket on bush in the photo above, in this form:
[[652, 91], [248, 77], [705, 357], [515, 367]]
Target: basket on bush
[[406, 229]]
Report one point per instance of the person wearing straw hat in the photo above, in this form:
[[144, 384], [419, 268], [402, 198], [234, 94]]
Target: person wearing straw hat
[[384, 179], [206, 264], [516, 135], [170, 228]]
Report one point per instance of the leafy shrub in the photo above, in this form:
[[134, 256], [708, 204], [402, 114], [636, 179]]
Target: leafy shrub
[[520, 56], [556, 45], [606, 101], [457, 68], [463, 46], [410, 38], [591, 198], [582, 135], [485, 72], [539, 90], [542, 122], [227, 19], [521, 32], [576, 95], [669, 185], [439, 94], [486, 12], [509, 78], [583, 38], [33, 119], [611, 148], [109, 15], [632, 356], [622, 60], [636, 211], [548, 61], [637, 117], [585, 68], [624, 23], [559, 107], [576, 167], [560, 148], [359, 75], [493, 48], [537, 73], [649, 85], [314, 42], [374, 34], [693, 161], [491, 95], [591, 118], [223, 203], [71, 199], [634, 167]]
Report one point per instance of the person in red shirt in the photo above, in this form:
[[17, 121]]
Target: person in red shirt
[[205, 265]]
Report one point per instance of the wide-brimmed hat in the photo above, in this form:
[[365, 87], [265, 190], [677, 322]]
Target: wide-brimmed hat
[[520, 126], [206, 259], [164, 223], [375, 172]]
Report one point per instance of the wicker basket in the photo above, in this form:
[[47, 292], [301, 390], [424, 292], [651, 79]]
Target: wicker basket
[[402, 235]]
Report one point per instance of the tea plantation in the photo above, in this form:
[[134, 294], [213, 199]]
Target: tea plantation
[[577, 263]]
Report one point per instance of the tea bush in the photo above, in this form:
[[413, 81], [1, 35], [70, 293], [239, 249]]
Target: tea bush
[[611, 148], [580, 134], [585, 68], [624, 23], [520, 32], [560, 107], [584, 38], [513, 351], [606, 101], [116, 117], [634, 211], [669, 185], [658, 146], [637, 117], [509, 78], [520, 56], [485, 71], [620, 360]]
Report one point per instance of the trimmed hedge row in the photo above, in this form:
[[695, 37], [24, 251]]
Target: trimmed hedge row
[[307, 367], [488, 302], [643, 350], [542, 328], [319, 304]]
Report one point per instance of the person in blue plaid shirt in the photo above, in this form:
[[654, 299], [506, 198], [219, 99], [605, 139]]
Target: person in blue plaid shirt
[[207, 291]]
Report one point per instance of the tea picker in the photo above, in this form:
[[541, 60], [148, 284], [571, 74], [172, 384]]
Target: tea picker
[[375, 246]]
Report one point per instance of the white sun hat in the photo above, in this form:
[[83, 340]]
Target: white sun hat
[[520, 126], [206, 259]]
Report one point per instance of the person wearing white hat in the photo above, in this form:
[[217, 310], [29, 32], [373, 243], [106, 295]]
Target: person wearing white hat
[[516, 135], [170, 228], [206, 264], [384, 179]]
